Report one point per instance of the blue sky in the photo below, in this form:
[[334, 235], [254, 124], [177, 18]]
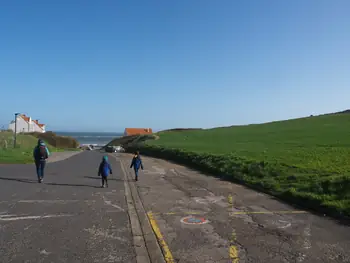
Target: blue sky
[[106, 65]]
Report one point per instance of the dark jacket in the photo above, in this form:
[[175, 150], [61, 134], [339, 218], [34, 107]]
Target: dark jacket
[[136, 162], [105, 168], [36, 152]]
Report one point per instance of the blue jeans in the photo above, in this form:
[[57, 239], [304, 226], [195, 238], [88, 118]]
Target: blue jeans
[[136, 173], [40, 166]]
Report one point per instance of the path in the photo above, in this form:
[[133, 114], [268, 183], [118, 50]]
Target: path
[[68, 218], [240, 225]]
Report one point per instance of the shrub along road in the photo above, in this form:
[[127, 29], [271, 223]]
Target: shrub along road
[[239, 224]]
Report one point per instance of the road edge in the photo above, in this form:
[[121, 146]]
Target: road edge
[[141, 251], [141, 227]]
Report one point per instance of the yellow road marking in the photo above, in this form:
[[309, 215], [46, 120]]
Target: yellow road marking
[[166, 251], [233, 254], [230, 199]]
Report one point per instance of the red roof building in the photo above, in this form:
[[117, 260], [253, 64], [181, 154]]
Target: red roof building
[[137, 131]]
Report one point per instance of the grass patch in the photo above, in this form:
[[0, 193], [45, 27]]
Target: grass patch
[[23, 153], [304, 161]]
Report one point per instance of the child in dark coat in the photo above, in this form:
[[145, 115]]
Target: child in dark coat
[[136, 163], [104, 170]]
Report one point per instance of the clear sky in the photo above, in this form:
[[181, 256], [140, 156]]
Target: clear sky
[[105, 65]]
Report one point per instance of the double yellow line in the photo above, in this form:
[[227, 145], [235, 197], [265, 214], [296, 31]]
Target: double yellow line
[[233, 249], [166, 251], [233, 252]]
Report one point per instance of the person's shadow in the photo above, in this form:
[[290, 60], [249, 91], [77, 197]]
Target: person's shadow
[[21, 180], [80, 185], [92, 177], [31, 181], [99, 178]]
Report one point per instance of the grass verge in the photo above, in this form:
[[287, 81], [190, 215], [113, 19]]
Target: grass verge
[[23, 153]]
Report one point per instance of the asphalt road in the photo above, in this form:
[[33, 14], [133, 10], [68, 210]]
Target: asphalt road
[[196, 218], [68, 218], [204, 219]]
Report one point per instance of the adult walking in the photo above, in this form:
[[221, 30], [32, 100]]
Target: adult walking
[[136, 163], [40, 154]]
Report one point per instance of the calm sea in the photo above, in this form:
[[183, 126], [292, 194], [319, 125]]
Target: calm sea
[[92, 137]]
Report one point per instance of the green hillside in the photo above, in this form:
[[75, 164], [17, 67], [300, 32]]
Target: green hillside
[[305, 161], [321, 143]]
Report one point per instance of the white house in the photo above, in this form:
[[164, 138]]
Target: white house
[[26, 124]]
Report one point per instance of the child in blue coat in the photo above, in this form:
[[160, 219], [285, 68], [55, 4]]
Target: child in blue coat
[[104, 170], [136, 163]]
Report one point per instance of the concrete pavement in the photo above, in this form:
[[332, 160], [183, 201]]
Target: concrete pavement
[[199, 218]]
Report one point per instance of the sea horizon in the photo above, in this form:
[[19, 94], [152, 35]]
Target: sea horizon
[[91, 137]]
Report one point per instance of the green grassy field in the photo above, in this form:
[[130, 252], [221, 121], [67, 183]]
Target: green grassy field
[[305, 160], [23, 153], [321, 143]]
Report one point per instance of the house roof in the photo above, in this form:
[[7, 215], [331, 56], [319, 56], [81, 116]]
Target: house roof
[[39, 124], [24, 117], [135, 131]]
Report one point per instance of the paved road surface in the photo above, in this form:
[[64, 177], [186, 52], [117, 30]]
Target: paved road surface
[[68, 218], [243, 225]]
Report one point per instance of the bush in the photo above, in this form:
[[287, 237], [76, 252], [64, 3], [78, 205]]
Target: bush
[[63, 142]]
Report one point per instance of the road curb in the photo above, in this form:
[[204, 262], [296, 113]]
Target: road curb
[[138, 239], [142, 230]]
